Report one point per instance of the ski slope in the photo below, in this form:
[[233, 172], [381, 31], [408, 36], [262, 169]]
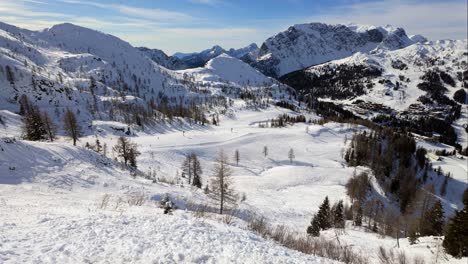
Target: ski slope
[[54, 210]]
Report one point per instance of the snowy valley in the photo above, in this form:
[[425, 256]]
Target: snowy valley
[[284, 125]]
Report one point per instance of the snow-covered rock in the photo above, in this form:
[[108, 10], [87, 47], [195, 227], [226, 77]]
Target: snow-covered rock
[[304, 45], [198, 59], [161, 58]]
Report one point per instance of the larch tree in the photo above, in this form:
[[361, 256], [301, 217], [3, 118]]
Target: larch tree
[[222, 190], [49, 126], [71, 126], [127, 151]]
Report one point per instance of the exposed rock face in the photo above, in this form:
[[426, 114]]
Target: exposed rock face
[[305, 45]]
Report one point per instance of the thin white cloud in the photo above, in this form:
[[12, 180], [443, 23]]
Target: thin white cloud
[[176, 31], [436, 20], [148, 13], [21, 8], [207, 2]]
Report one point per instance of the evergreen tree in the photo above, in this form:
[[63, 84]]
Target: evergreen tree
[[98, 146], [237, 157], [314, 228], [33, 125], [338, 215], [443, 187], [197, 171], [291, 155], [323, 215], [25, 105], [187, 168], [436, 214], [456, 235], [9, 75], [132, 155], [413, 236], [358, 215], [265, 151]]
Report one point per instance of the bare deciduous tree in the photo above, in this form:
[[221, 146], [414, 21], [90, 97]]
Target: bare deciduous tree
[[71, 126], [221, 184], [49, 126], [127, 151]]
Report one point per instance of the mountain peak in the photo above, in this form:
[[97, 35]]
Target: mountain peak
[[304, 45]]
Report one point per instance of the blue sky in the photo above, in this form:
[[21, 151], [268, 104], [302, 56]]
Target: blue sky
[[193, 25]]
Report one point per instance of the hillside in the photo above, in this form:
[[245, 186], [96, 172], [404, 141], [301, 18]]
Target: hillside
[[305, 45], [278, 148]]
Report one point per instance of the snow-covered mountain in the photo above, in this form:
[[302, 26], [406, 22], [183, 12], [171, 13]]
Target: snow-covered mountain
[[199, 59], [99, 75], [71, 204], [390, 77], [54, 67], [161, 58], [225, 68], [304, 45]]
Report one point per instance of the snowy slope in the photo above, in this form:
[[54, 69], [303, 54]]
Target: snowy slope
[[54, 66], [401, 70], [229, 69], [62, 188], [61, 218], [53, 195]]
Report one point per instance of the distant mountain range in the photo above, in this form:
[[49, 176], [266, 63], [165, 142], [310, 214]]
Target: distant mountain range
[[180, 61], [370, 70]]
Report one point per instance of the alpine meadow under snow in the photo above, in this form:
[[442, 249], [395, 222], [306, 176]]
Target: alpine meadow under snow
[[328, 144]]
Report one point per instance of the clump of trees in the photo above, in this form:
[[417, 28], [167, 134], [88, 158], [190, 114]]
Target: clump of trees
[[327, 217], [333, 81], [403, 171], [285, 119], [456, 236], [379, 151], [37, 125], [127, 150], [192, 170]]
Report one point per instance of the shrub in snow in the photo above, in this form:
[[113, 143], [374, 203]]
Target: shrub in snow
[[167, 205]]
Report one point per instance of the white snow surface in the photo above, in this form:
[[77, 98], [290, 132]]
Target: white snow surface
[[225, 68], [52, 211], [445, 53]]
